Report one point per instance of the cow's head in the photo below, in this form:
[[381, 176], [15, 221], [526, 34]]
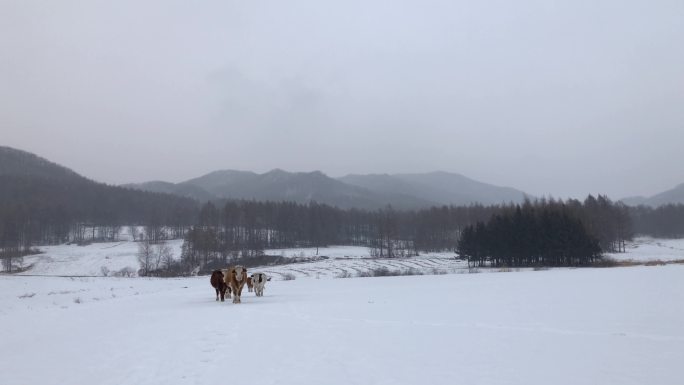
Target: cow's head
[[240, 273]]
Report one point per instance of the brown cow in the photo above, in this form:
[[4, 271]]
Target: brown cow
[[250, 285], [217, 281], [236, 279]]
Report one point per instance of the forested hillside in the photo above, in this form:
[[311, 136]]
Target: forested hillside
[[42, 203]]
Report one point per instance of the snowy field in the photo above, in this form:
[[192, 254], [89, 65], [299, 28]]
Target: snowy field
[[89, 261], [72, 260], [333, 268], [330, 252], [644, 249], [562, 326]]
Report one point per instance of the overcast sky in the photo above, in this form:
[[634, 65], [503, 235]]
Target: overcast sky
[[551, 97]]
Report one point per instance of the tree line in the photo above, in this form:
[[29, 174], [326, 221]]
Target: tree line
[[244, 229], [548, 234], [239, 229], [665, 221]]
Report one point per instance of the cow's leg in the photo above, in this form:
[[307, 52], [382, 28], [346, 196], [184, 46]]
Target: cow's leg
[[217, 294]]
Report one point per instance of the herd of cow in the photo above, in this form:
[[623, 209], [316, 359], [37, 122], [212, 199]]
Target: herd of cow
[[234, 279]]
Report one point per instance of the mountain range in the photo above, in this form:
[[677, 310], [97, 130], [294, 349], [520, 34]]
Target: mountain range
[[402, 191], [21, 173]]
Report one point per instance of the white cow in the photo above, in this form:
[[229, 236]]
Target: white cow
[[259, 281]]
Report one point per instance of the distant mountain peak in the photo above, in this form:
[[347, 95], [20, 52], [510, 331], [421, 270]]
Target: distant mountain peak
[[27, 180], [277, 171], [674, 195], [440, 187]]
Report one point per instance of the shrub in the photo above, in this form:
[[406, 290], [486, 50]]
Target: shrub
[[344, 274], [412, 271], [386, 272], [383, 272], [605, 262], [289, 277], [125, 272]]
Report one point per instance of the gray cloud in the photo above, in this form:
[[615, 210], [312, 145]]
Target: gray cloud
[[561, 98]]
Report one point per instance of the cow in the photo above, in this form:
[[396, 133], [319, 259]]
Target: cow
[[259, 281], [249, 284], [236, 279], [217, 281]]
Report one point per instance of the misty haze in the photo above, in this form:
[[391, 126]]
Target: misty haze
[[371, 192]]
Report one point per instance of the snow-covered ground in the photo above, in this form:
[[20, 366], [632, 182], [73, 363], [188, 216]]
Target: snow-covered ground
[[331, 252], [563, 326], [338, 252], [74, 260], [88, 260], [356, 260], [644, 249], [336, 267]]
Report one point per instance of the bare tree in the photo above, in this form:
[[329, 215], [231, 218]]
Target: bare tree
[[114, 231], [154, 232], [163, 256], [145, 256], [133, 230]]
